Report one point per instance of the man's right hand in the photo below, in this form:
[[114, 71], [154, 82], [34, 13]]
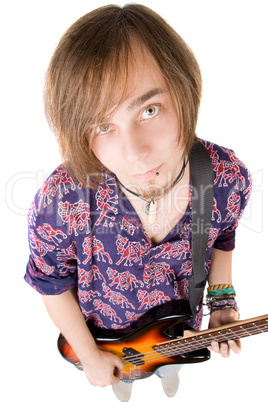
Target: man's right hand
[[102, 368]]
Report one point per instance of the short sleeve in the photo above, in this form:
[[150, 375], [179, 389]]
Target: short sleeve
[[52, 234], [232, 190], [226, 240]]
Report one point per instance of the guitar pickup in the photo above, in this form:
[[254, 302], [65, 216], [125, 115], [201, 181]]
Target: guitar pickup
[[134, 356]]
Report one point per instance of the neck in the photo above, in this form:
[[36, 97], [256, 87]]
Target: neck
[[151, 199]]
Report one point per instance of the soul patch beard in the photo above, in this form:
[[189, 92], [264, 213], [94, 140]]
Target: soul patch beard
[[153, 191]]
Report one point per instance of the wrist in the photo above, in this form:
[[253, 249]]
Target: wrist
[[221, 317], [221, 297], [89, 354]]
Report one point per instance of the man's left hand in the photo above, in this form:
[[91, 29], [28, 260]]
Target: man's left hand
[[218, 318]]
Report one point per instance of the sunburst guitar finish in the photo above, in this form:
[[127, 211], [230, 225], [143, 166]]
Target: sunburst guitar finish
[[162, 337]]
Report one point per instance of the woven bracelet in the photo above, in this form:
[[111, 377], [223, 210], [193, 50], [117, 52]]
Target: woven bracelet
[[221, 304], [220, 290]]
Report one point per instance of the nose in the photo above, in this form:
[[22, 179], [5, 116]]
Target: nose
[[135, 146]]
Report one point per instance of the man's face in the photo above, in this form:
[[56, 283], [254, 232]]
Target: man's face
[[141, 137]]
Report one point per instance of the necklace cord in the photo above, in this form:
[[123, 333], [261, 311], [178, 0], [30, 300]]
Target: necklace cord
[[176, 181]]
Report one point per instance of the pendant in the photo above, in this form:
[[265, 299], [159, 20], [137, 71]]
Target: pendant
[[150, 210]]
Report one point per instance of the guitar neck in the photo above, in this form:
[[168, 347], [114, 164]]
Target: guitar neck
[[193, 340]]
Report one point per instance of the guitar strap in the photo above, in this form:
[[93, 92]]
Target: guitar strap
[[202, 178]]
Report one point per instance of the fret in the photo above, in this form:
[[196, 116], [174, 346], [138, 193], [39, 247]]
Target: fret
[[203, 339]]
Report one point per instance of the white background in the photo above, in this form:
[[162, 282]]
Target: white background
[[229, 39]]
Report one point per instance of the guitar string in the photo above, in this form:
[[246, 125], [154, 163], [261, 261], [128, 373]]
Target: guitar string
[[186, 344], [193, 340], [196, 342], [169, 352], [156, 356]]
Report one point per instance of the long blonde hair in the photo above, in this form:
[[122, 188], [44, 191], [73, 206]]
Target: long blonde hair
[[83, 74]]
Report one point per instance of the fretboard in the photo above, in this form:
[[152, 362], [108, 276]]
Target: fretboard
[[194, 340]]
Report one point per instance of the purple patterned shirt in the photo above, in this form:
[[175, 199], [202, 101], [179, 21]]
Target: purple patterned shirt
[[93, 240]]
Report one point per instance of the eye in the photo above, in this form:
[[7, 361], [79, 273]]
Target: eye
[[150, 111], [104, 128]]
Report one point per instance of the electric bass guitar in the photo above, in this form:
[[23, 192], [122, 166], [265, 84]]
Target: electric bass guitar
[[162, 337]]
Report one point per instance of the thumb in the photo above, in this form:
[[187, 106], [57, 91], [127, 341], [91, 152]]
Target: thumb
[[119, 365]]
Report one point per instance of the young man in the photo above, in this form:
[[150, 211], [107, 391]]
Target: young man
[[110, 229]]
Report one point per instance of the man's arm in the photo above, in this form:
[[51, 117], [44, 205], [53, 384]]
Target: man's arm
[[221, 273], [99, 366]]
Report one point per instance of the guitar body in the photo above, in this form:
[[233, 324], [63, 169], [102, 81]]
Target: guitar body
[[138, 345], [161, 337]]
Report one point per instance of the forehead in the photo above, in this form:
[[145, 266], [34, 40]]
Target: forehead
[[143, 71], [137, 75]]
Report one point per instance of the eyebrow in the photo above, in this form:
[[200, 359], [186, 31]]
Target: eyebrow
[[144, 98]]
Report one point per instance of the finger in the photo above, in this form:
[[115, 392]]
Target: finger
[[215, 347], [117, 372], [235, 346], [224, 349], [116, 380], [118, 363]]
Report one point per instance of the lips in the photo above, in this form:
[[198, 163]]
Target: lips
[[147, 175]]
